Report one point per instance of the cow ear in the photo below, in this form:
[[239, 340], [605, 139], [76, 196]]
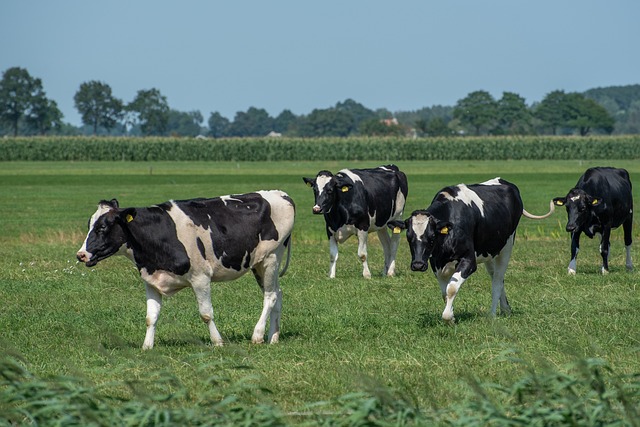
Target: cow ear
[[127, 215], [560, 201], [114, 203], [397, 226], [595, 201], [308, 181], [444, 227]]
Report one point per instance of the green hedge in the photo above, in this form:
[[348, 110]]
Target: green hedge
[[355, 148]]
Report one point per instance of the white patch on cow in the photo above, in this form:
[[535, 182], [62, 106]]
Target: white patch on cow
[[282, 211], [494, 181], [227, 199], [419, 224], [321, 183], [399, 206], [575, 198], [467, 196], [353, 176], [344, 232], [165, 282], [102, 209]]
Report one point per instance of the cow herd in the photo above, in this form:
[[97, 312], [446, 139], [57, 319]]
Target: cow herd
[[191, 243]]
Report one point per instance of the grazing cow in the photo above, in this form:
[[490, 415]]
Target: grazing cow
[[360, 201], [190, 243], [600, 202], [466, 225]]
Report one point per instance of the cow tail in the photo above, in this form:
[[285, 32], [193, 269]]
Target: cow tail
[[552, 209], [286, 265]]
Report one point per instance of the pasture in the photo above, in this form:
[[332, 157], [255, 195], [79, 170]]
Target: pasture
[[340, 336]]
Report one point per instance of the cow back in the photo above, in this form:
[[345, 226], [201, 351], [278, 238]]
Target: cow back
[[482, 215]]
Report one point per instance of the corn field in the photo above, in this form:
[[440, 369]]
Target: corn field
[[314, 149]]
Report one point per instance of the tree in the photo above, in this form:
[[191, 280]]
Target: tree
[[434, 127], [377, 127], [514, 118], [152, 111], [573, 111], [44, 115], [18, 93], [97, 105], [552, 110], [327, 122], [477, 110], [357, 111], [585, 114], [184, 124], [218, 125], [255, 122], [285, 122]]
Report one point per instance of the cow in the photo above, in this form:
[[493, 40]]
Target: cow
[[466, 225], [600, 201], [191, 243], [360, 201]]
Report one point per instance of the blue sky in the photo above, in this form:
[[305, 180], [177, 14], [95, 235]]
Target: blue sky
[[300, 55]]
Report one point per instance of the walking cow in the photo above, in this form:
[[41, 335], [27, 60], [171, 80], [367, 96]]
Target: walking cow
[[466, 225], [600, 202], [360, 201], [190, 243]]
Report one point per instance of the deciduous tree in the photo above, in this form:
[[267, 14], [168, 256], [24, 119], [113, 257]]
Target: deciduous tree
[[152, 111], [97, 105], [18, 94], [477, 110]]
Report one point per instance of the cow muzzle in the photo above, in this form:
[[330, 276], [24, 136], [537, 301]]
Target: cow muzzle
[[418, 266], [85, 258], [317, 210]]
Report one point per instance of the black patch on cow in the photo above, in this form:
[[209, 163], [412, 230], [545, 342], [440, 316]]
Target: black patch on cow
[[201, 247], [155, 242], [236, 224]]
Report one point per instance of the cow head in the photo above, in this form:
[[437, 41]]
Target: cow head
[[424, 233], [580, 207], [106, 234], [324, 190]]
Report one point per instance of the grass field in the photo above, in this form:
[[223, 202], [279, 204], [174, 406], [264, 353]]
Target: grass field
[[338, 336]]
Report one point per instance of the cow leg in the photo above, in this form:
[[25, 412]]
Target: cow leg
[[465, 268], [333, 256], [604, 248], [627, 226], [575, 248], [154, 303], [266, 274], [202, 289], [497, 269], [389, 247], [362, 252]]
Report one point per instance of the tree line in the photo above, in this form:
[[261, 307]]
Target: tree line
[[26, 110]]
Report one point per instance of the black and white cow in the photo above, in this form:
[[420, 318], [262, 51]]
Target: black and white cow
[[466, 225], [190, 243], [360, 201], [600, 202]]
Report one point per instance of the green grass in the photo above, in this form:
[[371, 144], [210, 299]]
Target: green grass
[[338, 336]]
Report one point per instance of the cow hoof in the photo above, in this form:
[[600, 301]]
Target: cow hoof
[[605, 272], [257, 340], [571, 272], [274, 339], [147, 347]]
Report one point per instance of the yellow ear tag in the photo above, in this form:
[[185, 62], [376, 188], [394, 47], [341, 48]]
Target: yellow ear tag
[[444, 230], [397, 230], [559, 203], [308, 184], [595, 202], [129, 218], [345, 189]]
